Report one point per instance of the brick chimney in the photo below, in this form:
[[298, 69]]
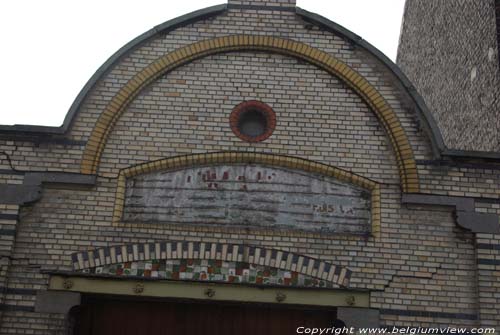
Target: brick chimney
[[263, 3]]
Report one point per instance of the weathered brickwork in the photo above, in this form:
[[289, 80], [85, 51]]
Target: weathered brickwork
[[488, 259], [275, 3], [419, 267], [449, 51], [461, 180], [232, 78], [264, 23]]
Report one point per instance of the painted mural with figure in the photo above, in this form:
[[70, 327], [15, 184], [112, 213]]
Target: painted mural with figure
[[248, 196]]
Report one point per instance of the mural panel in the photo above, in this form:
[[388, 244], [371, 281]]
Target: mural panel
[[248, 195]]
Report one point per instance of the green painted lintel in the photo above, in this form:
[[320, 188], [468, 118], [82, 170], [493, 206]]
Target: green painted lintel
[[198, 290]]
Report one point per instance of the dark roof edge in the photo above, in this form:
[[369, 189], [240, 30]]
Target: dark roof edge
[[423, 112], [466, 154], [32, 130], [183, 20]]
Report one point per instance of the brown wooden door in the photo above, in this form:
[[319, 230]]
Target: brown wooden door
[[194, 318]]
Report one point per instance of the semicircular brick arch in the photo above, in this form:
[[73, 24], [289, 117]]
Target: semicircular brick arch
[[323, 274], [382, 109]]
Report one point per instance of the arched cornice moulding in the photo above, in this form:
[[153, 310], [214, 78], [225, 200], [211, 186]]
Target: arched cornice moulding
[[382, 109]]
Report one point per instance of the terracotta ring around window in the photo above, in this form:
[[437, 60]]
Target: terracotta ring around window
[[252, 121]]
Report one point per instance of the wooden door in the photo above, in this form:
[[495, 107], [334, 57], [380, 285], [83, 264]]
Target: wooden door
[[196, 318]]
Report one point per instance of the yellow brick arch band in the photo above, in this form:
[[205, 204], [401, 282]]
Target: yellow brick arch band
[[384, 112]]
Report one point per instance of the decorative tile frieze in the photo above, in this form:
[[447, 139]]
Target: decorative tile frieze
[[181, 260], [216, 271]]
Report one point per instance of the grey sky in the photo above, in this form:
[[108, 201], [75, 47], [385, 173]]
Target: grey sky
[[51, 48]]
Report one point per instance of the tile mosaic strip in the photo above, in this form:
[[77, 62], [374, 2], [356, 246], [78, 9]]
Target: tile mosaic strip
[[183, 250], [211, 270]]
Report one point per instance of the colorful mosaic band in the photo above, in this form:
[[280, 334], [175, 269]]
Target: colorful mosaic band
[[213, 271], [121, 260]]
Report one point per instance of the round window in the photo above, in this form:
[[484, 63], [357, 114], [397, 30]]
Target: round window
[[252, 121]]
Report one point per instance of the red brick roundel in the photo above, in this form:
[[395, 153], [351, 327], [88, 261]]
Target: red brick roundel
[[252, 121]]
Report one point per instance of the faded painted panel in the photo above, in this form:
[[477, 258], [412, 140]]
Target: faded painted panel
[[250, 196]]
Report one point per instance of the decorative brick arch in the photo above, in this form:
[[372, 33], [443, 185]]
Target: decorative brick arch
[[236, 157], [384, 112], [264, 258]]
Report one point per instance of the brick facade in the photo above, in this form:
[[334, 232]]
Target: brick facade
[[341, 112]]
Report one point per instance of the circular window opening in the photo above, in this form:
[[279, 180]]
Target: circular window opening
[[252, 121]]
